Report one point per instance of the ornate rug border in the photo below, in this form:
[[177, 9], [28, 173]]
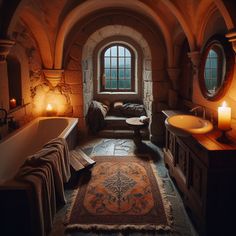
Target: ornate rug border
[[166, 204]]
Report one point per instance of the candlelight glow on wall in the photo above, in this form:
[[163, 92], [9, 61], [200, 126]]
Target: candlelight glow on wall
[[51, 110], [44, 96], [224, 117]]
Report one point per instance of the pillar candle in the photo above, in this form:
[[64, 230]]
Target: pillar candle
[[49, 107], [49, 110], [12, 103], [224, 117]]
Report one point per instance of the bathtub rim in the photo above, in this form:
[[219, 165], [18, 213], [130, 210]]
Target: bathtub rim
[[73, 121]]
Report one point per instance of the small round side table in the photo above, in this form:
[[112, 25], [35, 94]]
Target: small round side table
[[136, 126]]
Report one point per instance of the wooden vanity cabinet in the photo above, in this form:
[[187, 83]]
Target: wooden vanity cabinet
[[205, 173]]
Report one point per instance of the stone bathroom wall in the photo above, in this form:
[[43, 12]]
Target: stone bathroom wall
[[74, 73], [37, 91], [153, 83]]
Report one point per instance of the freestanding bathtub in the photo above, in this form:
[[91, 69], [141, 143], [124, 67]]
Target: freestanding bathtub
[[30, 139]]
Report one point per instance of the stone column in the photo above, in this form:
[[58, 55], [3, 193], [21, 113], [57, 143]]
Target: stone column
[[195, 57], [173, 73], [53, 76], [5, 47], [232, 38]]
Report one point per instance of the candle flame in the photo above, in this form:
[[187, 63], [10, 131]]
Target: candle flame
[[224, 104], [49, 107]]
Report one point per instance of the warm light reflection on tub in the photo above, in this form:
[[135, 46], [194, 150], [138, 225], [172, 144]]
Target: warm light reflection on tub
[[28, 140]]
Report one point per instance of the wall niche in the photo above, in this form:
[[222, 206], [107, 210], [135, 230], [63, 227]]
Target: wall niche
[[14, 81]]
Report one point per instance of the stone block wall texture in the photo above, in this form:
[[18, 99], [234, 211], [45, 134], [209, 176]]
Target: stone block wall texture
[[74, 92], [112, 26]]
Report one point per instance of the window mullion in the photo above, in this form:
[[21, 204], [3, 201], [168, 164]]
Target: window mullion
[[117, 69], [110, 69], [124, 72]]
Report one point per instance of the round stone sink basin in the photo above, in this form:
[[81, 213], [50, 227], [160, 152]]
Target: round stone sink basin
[[185, 125]]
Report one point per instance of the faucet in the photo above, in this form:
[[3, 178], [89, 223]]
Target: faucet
[[203, 111], [3, 121]]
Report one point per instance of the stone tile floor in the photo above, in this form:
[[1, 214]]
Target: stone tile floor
[[123, 147]]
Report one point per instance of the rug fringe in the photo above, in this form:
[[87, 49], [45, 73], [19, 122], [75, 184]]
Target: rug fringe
[[117, 227], [166, 202], [71, 203]]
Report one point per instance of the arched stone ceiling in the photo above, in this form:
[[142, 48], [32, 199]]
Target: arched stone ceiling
[[90, 6], [59, 16], [41, 37], [185, 23], [227, 15], [86, 27], [205, 15]]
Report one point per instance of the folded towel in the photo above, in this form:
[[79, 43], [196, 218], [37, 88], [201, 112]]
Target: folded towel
[[144, 119], [79, 160]]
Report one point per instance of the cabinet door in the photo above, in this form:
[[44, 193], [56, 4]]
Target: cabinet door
[[170, 144], [197, 179], [182, 154]]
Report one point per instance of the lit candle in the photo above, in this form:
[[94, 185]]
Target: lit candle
[[12, 103], [224, 117], [49, 109]]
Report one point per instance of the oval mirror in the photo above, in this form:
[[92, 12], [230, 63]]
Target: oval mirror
[[216, 68]]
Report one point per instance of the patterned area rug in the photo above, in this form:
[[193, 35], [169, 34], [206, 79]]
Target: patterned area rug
[[121, 193]]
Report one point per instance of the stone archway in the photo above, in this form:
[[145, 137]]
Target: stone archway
[[116, 31], [151, 43], [148, 83]]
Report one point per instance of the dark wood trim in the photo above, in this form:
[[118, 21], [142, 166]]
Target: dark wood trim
[[229, 58]]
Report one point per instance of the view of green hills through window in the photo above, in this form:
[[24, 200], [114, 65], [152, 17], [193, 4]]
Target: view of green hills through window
[[117, 68]]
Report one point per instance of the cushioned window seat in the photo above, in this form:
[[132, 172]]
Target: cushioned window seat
[[106, 116]]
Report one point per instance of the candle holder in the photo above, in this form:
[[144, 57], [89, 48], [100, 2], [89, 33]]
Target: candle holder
[[51, 113], [50, 110], [223, 138]]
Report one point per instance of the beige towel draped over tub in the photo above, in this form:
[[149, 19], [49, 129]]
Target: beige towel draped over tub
[[46, 171]]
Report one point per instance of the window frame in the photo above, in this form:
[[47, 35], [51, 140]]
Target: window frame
[[210, 58], [102, 69], [226, 57]]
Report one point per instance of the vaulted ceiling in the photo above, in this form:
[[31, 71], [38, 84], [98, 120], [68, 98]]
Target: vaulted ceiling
[[54, 23]]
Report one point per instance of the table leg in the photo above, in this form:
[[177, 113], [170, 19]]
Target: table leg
[[137, 137]]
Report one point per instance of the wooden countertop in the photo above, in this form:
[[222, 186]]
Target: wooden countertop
[[208, 140]]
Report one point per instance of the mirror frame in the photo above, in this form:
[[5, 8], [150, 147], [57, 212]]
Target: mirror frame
[[229, 67]]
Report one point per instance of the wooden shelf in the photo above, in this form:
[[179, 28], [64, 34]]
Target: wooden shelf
[[18, 108]]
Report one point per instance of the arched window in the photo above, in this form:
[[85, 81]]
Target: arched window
[[117, 68], [213, 70]]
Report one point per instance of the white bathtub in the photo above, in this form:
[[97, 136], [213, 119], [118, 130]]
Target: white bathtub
[[29, 139]]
